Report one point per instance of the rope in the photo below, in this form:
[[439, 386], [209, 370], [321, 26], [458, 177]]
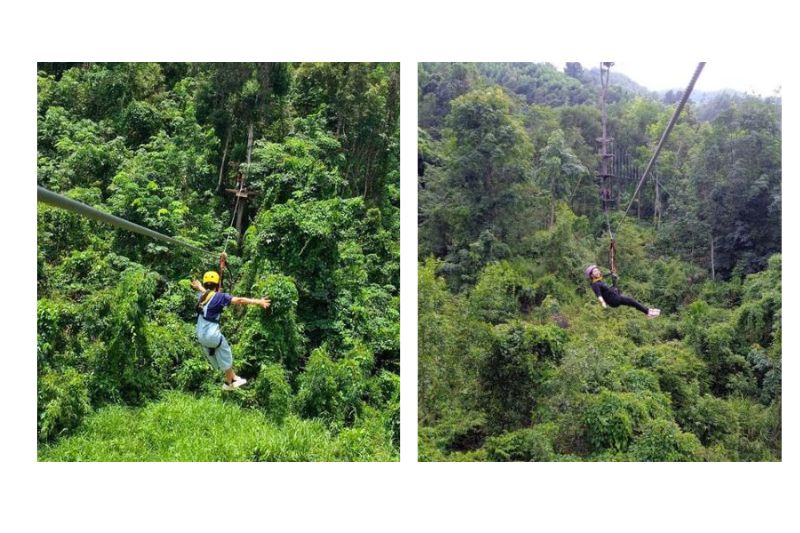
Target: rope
[[664, 136], [49, 197], [608, 225]]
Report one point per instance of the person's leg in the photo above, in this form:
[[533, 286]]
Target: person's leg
[[225, 360], [611, 298], [212, 360], [630, 302]]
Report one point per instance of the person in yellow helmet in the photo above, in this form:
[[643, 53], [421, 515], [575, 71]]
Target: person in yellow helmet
[[210, 304]]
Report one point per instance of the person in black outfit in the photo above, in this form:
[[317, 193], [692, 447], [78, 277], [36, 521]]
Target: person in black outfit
[[610, 296]]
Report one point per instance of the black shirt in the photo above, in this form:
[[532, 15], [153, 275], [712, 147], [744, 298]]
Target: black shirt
[[601, 289]]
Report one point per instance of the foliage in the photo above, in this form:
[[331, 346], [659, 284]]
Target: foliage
[[520, 359], [662, 440], [521, 445], [333, 391], [183, 428], [273, 393], [272, 336], [122, 365], [63, 402]]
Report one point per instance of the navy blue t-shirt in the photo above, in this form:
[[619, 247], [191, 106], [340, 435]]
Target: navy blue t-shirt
[[214, 307]]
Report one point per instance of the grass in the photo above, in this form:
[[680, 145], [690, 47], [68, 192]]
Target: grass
[[182, 427]]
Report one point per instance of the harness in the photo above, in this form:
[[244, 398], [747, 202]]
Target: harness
[[202, 304], [202, 307]]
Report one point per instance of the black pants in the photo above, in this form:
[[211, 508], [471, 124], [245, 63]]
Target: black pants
[[615, 300]]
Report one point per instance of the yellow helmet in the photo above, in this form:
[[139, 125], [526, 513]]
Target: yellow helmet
[[211, 277]]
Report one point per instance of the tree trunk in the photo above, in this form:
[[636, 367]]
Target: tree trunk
[[239, 219], [249, 142], [552, 201], [713, 266], [224, 157]]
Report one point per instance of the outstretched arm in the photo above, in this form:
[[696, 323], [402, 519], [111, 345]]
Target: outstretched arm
[[603, 302], [238, 300]]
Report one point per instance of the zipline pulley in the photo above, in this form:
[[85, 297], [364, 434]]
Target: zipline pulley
[[612, 256]]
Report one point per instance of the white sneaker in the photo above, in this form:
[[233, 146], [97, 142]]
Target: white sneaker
[[235, 384], [652, 313]]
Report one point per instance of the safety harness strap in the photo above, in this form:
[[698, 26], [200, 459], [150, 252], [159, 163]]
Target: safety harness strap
[[202, 304]]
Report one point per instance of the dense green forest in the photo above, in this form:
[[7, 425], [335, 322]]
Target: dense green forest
[[517, 359], [120, 374]]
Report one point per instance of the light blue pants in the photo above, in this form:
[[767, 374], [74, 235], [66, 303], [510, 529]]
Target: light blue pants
[[216, 347]]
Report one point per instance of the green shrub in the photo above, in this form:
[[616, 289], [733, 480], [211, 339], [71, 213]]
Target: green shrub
[[662, 440], [273, 393], [392, 421], [674, 283], [609, 421], [368, 440], [679, 372], [387, 387], [122, 367], [522, 358], [613, 418], [713, 420], [458, 431], [140, 120], [171, 343], [57, 322], [759, 430], [638, 380], [318, 395], [272, 335], [63, 402], [533, 444], [195, 374], [332, 390], [495, 298]]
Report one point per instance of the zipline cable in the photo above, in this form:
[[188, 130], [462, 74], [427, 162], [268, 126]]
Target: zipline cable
[[49, 197], [664, 136]]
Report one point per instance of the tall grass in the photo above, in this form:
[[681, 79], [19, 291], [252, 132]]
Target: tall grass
[[180, 427]]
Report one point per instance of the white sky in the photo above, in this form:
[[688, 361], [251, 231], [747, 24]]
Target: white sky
[[761, 77]]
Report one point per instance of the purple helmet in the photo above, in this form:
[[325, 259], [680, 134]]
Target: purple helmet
[[588, 271]]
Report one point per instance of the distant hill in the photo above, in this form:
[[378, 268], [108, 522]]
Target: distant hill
[[621, 80]]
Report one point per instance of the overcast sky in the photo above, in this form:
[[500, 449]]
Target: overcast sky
[[760, 77]]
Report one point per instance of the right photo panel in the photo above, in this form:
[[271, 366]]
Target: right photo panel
[[599, 262]]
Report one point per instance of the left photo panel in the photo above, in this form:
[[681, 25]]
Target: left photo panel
[[218, 261]]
